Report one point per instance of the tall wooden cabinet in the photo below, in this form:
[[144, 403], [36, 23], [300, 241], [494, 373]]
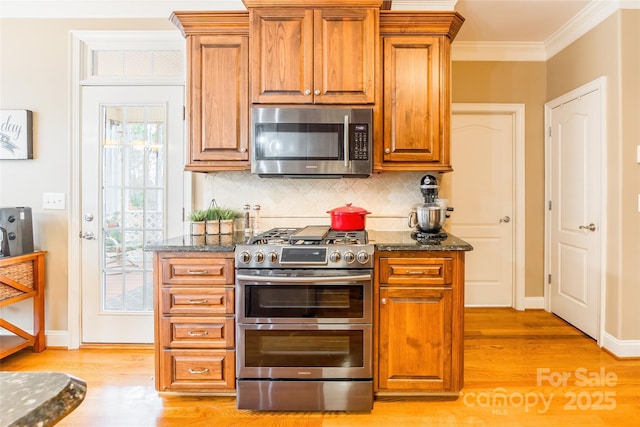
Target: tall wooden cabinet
[[419, 309], [194, 317], [217, 89], [313, 56], [413, 111]]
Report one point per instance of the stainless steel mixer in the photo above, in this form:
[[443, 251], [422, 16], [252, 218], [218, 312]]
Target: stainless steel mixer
[[429, 217]]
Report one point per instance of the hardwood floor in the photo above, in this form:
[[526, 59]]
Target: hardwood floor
[[515, 363]]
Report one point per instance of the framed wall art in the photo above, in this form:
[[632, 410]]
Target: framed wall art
[[16, 135]]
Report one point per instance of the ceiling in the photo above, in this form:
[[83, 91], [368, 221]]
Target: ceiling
[[515, 20]]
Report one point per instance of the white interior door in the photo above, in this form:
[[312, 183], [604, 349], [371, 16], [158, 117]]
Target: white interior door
[[132, 187], [574, 156], [481, 190]]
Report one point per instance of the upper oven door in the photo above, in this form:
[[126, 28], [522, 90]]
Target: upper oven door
[[304, 296]]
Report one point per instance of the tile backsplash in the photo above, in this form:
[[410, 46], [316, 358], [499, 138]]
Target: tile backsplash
[[287, 202]]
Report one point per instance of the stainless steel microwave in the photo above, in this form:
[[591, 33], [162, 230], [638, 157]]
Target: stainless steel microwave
[[311, 142]]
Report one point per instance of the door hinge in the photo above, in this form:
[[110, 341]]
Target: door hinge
[[549, 131], [549, 279], [549, 204], [184, 112]]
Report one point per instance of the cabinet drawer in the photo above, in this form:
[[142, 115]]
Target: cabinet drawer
[[198, 301], [198, 332], [416, 271], [197, 271], [198, 370]]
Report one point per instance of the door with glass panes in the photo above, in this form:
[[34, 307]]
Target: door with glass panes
[[132, 184]]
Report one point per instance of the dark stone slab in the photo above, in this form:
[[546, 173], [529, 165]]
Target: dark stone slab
[[38, 398]]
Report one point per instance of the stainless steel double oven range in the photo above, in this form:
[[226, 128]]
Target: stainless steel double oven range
[[304, 326]]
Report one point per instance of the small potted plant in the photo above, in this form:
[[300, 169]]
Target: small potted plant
[[227, 216], [198, 218], [213, 220]]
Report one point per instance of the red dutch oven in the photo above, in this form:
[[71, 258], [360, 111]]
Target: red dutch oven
[[348, 218]]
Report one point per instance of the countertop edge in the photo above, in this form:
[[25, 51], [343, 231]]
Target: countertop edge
[[382, 240], [39, 398]]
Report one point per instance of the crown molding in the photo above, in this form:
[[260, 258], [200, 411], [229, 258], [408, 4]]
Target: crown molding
[[441, 5], [588, 18], [592, 15], [497, 51]]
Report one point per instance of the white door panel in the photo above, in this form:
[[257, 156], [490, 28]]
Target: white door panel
[[575, 197], [131, 193], [481, 190]]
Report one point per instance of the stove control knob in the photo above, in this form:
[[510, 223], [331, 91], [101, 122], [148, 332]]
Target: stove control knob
[[334, 256], [244, 257], [349, 257], [363, 257], [258, 257], [272, 257]]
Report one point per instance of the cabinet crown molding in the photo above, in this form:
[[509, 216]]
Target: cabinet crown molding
[[313, 4]]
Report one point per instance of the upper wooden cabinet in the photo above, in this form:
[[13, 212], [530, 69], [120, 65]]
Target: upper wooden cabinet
[[319, 55], [414, 109], [217, 89]]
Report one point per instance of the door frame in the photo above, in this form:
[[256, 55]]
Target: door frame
[[599, 85], [82, 45], [517, 111]]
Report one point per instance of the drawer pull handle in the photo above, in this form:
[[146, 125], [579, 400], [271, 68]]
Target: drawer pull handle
[[199, 371], [198, 272], [198, 333], [416, 273], [198, 301]]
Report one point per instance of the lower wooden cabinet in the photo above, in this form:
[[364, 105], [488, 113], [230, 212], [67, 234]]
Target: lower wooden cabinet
[[194, 314], [419, 327]]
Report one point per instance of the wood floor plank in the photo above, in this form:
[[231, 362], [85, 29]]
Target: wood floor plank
[[521, 369]]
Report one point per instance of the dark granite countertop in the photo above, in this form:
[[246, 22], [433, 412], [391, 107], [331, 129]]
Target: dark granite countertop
[[402, 241], [38, 398], [383, 240]]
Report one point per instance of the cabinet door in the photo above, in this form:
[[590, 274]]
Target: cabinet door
[[415, 94], [344, 52], [281, 55], [218, 102], [415, 341]]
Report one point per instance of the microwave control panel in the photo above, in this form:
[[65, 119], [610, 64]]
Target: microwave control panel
[[359, 147]]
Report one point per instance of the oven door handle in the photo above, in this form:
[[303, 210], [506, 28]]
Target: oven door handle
[[286, 279]]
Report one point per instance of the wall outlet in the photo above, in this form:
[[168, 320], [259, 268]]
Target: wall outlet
[[53, 201]]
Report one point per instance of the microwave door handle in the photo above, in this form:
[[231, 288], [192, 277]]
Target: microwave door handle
[[346, 141]]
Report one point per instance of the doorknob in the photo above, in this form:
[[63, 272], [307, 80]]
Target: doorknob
[[505, 218], [88, 235], [590, 227]]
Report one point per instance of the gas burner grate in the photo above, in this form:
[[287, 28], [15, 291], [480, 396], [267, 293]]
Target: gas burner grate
[[282, 236]]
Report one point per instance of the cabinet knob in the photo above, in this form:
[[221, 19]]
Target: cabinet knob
[[307, 91], [387, 151], [243, 150], [317, 92], [383, 301]]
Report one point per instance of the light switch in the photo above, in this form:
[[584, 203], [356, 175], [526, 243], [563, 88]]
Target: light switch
[[53, 201]]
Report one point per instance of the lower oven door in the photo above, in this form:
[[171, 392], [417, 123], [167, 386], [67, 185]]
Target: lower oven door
[[304, 352]]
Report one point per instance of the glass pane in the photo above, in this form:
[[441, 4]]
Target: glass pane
[[133, 203]]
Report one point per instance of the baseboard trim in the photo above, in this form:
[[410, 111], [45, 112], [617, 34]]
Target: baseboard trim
[[533, 303], [620, 348], [58, 339]]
